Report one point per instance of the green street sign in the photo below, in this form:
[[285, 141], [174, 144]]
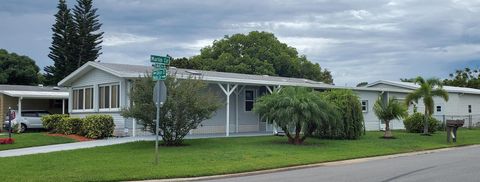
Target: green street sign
[[160, 59], [159, 66], [159, 74]]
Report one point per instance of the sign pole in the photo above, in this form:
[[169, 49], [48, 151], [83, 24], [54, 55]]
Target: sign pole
[[159, 74], [157, 123]]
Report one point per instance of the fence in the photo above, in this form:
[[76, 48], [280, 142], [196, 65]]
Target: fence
[[471, 120]]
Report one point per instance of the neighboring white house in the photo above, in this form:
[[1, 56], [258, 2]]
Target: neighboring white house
[[104, 88]]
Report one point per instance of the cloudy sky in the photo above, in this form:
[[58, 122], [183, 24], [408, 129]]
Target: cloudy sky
[[358, 40]]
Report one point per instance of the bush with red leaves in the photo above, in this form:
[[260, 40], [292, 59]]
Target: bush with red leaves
[[7, 140]]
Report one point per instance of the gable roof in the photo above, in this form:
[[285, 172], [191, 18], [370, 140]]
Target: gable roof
[[135, 71], [413, 86]]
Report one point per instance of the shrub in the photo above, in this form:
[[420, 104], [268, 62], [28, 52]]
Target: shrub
[[414, 123], [7, 140], [98, 126], [350, 121], [69, 126], [50, 122]]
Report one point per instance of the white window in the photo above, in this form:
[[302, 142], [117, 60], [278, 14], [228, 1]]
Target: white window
[[109, 96], [439, 108], [364, 105], [83, 98], [249, 99], [469, 108]]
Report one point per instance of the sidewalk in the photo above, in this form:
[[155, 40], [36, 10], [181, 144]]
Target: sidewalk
[[106, 142]]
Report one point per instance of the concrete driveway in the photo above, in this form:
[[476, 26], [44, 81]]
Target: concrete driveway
[[459, 164]]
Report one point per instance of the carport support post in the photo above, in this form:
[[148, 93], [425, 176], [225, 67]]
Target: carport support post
[[227, 92], [19, 114], [63, 106]]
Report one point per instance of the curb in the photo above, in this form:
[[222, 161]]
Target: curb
[[333, 163]]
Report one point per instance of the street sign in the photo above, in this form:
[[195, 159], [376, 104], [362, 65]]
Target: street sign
[[159, 64], [160, 59], [159, 74], [160, 93]]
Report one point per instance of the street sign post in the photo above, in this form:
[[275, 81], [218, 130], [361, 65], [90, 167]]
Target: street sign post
[[159, 74]]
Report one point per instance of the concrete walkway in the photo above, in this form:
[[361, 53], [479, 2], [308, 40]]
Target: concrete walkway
[[107, 142]]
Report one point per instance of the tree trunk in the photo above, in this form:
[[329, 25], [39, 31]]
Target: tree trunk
[[425, 122], [388, 132], [297, 139]]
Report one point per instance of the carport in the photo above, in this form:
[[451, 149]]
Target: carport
[[21, 97]]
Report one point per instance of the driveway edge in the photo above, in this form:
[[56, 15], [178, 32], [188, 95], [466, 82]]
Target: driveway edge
[[333, 163]]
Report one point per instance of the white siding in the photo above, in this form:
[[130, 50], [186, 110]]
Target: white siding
[[95, 78]]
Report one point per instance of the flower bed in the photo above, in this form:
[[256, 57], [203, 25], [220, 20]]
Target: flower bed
[[7, 140]]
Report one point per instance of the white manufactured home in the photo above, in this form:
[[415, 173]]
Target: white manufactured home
[[103, 88]]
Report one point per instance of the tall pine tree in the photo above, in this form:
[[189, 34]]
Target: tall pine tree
[[62, 49], [88, 37], [76, 40]]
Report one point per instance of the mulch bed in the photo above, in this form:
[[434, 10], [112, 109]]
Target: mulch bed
[[78, 138]]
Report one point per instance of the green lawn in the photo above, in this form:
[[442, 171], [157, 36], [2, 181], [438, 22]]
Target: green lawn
[[33, 139], [134, 161]]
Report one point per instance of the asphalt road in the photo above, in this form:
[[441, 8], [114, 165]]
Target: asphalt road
[[461, 164]]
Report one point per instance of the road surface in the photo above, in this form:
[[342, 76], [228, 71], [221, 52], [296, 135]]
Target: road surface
[[461, 164]]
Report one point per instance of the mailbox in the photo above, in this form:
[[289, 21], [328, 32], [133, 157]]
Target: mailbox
[[452, 126], [455, 123]]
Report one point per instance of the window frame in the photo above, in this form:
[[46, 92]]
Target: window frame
[[469, 109], [366, 106], [439, 109], [83, 88], [245, 99], [110, 86]]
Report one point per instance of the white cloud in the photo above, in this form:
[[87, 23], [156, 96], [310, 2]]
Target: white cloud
[[120, 39]]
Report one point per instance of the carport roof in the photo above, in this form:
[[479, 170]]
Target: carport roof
[[27, 91]]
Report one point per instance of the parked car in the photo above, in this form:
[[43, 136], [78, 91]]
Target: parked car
[[30, 119]]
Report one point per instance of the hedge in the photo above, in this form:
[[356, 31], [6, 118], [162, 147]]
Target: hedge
[[51, 122], [98, 126], [70, 126], [414, 123]]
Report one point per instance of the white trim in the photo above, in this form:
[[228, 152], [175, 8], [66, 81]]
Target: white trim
[[84, 88], [110, 108], [366, 105], [82, 111]]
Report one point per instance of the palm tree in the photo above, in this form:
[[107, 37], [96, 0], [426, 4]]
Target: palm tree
[[387, 111], [428, 89], [297, 110]]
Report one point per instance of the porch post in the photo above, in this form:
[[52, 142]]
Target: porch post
[[63, 106], [134, 124], [227, 92], [237, 92]]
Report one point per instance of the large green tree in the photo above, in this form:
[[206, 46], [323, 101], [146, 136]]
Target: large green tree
[[297, 110], [188, 104], [258, 53], [464, 78], [387, 110], [62, 48], [88, 35], [428, 89], [76, 39], [17, 70]]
